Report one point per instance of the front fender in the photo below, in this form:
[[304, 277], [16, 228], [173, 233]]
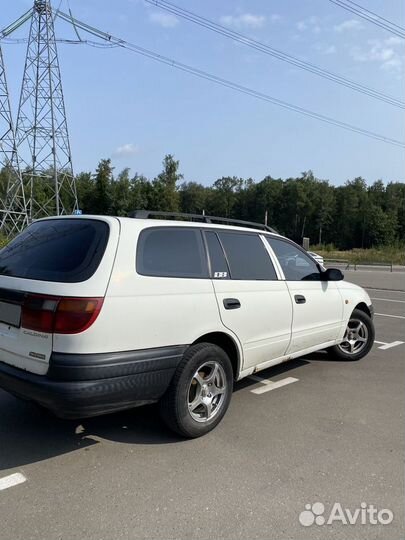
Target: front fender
[[352, 296]]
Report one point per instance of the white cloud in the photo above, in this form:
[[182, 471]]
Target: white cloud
[[331, 49], [126, 150], [275, 17], [350, 24], [244, 20], [388, 53], [165, 20], [313, 24], [394, 64], [323, 48], [394, 40]]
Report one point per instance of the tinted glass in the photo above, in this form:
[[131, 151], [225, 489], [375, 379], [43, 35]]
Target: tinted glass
[[219, 267], [247, 256], [296, 264], [65, 250], [171, 252]]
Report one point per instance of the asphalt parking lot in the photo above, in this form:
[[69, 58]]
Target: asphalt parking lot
[[327, 432]]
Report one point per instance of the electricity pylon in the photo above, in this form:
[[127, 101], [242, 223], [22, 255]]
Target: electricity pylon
[[42, 137], [13, 207]]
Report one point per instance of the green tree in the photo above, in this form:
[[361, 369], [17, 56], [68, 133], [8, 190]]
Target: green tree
[[141, 193], [325, 208], [103, 180], [269, 195], [121, 194], [85, 186], [395, 201], [350, 215], [381, 227], [224, 195], [193, 198], [165, 195]]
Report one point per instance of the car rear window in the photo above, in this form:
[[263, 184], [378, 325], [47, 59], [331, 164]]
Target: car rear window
[[171, 252], [63, 250]]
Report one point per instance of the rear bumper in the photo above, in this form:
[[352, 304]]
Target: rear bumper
[[79, 386]]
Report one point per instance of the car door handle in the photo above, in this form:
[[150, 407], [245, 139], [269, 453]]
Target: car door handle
[[231, 303], [299, 299]]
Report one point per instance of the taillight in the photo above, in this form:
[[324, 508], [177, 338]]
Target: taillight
[[75, 315], [38, 313], [51, 314]]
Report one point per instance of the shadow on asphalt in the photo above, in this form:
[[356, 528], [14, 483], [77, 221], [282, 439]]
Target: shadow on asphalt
[[29, 433]]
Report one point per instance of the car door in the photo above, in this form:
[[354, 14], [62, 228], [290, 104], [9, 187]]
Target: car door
[[317, 304], [253, 303]]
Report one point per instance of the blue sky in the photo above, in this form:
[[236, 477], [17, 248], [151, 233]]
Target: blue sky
[[134, 110]]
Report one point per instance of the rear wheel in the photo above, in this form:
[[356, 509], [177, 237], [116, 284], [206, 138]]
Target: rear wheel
[[358, 338], [200, 392]]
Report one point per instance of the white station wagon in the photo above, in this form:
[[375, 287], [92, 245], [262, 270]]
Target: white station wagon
[[100, 314]]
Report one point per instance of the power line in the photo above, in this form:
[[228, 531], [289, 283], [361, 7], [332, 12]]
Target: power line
[[275, 53], [224, 82], [402, 28], [16, 24], [371, 17]]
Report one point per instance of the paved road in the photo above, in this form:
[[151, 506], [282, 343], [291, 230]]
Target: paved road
[[336, 435], [377, 278]]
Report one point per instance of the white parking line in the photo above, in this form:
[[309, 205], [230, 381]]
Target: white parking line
[[385, 346], [385, 290], [389, 300], [271, 385], [12, 480], [393, 316]]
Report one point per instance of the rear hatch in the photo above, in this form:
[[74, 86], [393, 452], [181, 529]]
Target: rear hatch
[[53, 279]]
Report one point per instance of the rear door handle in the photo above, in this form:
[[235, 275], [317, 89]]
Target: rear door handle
[[299, 299], [231, 303]]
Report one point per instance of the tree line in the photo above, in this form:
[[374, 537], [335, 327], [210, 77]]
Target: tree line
[[353, 215]]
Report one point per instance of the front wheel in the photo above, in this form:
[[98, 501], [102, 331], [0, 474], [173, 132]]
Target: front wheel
[[358, 339], [200, 391]]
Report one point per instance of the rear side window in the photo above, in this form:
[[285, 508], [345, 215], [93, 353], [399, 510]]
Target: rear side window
[[171, 252], [219, 267], [63, 250], [247, 256], [296, 265]]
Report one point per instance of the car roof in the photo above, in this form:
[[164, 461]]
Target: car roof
[[140, 223], [145, 223]]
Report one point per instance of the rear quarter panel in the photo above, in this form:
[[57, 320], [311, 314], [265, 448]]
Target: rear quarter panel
[[142, 312]]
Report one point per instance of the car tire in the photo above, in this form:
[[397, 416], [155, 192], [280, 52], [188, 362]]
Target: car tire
[[358, 339], [200, 392]]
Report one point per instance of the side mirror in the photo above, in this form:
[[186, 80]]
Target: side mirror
[[332, 274]]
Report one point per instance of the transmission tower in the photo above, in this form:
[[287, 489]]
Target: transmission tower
[[41, 133], [13, 208]]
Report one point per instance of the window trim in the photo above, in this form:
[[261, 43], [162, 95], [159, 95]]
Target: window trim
[[214, 231], [300, 248], [199, 234], [273, 256]]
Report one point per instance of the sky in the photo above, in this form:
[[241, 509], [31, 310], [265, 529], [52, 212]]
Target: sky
[[133, 110]]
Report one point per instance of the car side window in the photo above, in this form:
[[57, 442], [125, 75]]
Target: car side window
[[296, 265], [247, 256], [219, 266], [171, 252]]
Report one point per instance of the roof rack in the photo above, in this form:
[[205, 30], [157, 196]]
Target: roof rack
[[147, 214]]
